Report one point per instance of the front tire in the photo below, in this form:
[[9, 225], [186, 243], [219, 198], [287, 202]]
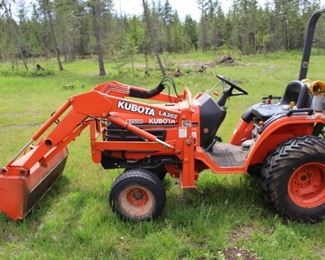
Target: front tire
[[293, 179], [137, 195], [160, 171]]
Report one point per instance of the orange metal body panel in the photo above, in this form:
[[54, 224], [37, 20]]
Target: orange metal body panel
[[280, 131]]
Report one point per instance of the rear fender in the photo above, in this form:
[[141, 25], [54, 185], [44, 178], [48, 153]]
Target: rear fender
[[279, 131]]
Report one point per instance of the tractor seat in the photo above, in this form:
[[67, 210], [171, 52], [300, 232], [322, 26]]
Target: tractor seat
[[296, 91]]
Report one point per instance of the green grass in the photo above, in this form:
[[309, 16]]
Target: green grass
[[225, 213]]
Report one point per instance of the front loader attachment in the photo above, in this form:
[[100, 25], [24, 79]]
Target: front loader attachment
[[36, 167], [19, 193], [33, 170]]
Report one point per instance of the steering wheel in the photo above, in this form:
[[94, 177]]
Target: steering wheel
[[233, 86]]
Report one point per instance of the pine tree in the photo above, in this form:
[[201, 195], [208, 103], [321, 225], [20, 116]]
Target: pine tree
[[190, 28], [152, 36], [203, 6], [13, 35], [99, 9], [47, 8]]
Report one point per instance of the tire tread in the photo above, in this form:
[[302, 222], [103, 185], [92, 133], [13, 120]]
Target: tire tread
[[287, 155], [143, 177]]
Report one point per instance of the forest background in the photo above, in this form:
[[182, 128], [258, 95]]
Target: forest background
[[72, 29]]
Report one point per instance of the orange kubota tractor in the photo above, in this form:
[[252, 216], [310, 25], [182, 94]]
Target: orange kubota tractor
[[177, 135]]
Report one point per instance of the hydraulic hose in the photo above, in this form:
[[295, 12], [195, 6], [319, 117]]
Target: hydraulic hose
[[146, 94]]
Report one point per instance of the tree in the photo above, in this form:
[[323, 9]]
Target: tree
[[82, 18], [167, 21], [47, 8], [12, 32], [203, 6], [191, 31], [220, 25], [99, 7], [66, 19], [72, 28], [214, 17], [37, 33], [152, 36]]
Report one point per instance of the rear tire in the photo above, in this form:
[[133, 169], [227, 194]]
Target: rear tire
[[293, 179], [137, 195]]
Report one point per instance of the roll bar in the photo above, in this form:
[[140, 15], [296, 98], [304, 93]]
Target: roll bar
[[308, 43]]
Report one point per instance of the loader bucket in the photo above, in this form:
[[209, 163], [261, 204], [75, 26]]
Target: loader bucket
[[19, 194]]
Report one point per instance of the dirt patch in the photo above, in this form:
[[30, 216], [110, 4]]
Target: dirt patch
[[7, 236], [245, 233], [321, 251], [241, 233], [234, 253], [190, 64]]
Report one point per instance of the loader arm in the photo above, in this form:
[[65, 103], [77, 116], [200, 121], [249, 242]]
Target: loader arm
[[26, 178]]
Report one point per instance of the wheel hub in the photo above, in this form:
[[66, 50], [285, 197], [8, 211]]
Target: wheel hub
[[307, 185], [137, 200], [137, 197]]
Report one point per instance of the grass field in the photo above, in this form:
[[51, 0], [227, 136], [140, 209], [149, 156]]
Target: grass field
[[226, 217]]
